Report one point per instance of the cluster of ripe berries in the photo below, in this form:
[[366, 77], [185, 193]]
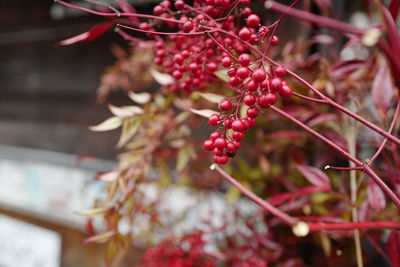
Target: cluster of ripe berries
[[208, 37]]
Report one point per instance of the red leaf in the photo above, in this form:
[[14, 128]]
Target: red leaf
[[382, 90], [345, 67], [376, 197], [314, 176], [392, 31], [92, 34], [127, 8], [394, 9], [321, 119], [393, 248]]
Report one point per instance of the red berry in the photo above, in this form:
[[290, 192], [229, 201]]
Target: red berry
[[243, 72], [158, 10], [245, 2], [231, 153], [238, 135], [231, 146], [249, 99], [266, 100], [214, 119], [275, 84], [193, 66], [178, 59], [218, 152], [244, 59], [214, 135], [252, 112], [179, 4], [253, 21], [274, 40], [237, 125], [226, 62], [246, 123], [245, 34], [237, 144], [208, 144], [220, 142], [246, 12], [264, 84], [280, 71], [232, 72], [188, 26], [259, 75], [251, 85], [177, 74], [225, 104], [212, 66], [285, 91], [235, 81], [228, 123]]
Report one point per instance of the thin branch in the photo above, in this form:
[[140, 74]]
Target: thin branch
[[264, 204]]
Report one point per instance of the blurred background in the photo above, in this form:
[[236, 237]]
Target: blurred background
[[48, 157]]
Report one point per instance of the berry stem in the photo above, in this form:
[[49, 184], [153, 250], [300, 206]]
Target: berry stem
[[367, 169], [262, 203]]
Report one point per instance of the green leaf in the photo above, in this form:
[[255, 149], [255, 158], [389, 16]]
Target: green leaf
[[214, 98], [222, 75]]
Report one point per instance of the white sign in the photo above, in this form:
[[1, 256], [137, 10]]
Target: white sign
[[27, 245]]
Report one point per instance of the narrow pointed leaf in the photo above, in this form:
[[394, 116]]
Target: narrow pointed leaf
[[125, 111], [382, 90], [92, 34], [101, 238], [109, 124], [314, 176], [141, 98], [204, 112], [376, 197], [127, 8], [214, 98], [161, 78]]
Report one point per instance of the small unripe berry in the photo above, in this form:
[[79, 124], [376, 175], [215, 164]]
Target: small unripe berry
[[253, 21], [225, 105]]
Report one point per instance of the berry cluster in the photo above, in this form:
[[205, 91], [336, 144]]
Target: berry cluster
[[211, 35], [260, 91]]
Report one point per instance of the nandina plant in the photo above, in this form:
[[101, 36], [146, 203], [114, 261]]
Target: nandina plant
[[283, 115]]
